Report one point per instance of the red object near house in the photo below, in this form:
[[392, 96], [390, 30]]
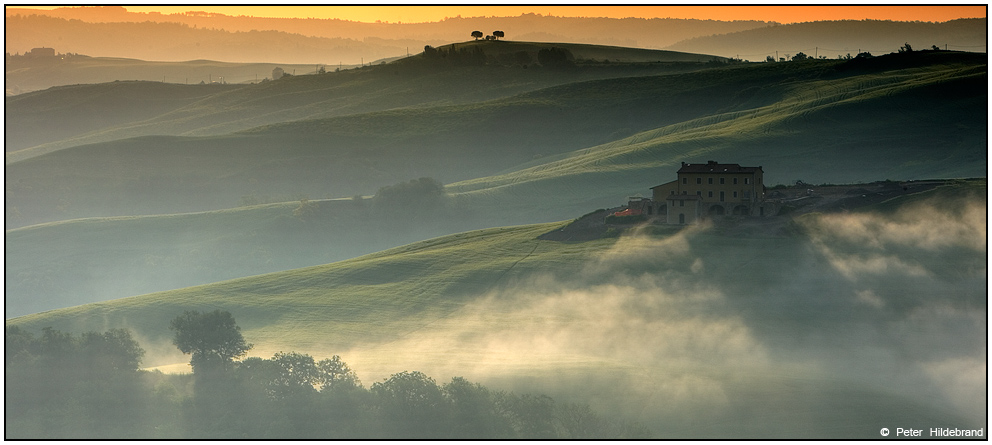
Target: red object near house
[[628, 212]]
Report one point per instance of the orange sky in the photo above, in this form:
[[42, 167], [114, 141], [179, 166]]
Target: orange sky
[[774, 13]]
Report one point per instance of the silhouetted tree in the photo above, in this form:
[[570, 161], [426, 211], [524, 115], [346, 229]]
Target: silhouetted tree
[[298, 374], [113, 351], [906, 48], [334, 374], [213, 339], [475, 413], [412, 405], [477, 34], [800, 56], [498, 34]]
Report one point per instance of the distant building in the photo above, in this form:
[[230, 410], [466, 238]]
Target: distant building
[[277, 73], [41, 52], [711, 189]]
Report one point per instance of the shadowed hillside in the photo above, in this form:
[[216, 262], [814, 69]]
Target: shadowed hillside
[[484, 73], [64, 112], [900, 116], [24, 74]]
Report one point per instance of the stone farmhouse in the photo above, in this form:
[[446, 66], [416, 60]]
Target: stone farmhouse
[[706, 190]]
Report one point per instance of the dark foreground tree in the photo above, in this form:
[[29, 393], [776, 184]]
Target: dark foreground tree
[[213, 339]]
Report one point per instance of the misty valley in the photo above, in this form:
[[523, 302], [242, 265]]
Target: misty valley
[[497, 238]]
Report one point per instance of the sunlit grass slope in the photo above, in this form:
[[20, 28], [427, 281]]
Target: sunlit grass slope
[[73, 262], [372, 298]]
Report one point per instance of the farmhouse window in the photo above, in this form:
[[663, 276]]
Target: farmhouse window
[[722, 180], [709, 180]]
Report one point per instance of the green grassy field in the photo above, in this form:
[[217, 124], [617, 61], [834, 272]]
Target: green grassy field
[[381, 295], [851, 321], [73, 262]]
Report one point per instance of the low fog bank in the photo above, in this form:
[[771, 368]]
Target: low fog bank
[[858, 321]]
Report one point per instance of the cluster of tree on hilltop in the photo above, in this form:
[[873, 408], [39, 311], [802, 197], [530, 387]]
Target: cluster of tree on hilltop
[[62, 386]]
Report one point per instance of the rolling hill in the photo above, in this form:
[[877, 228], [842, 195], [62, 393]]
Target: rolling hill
[[68, 263], [833, 39], [410, 82], [68, 111], [920, 119], [23, 74], [826, 331], [920, 113]]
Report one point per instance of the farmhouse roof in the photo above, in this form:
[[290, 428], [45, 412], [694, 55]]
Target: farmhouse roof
[[714, 167], [662, 185]]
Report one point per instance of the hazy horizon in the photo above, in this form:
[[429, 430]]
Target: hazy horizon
[[783, 14]]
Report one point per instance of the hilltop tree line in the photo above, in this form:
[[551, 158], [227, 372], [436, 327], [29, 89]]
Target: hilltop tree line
[[91, 386], [553, 57]]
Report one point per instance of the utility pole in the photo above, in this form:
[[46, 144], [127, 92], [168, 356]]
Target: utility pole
[[816, 52]]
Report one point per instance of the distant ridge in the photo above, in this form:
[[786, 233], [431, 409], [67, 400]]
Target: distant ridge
[[833, 39], [376, 40]]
